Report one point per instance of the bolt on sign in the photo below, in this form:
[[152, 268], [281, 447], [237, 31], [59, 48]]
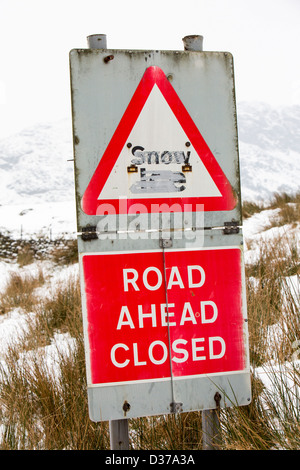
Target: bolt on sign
[[164, 311]]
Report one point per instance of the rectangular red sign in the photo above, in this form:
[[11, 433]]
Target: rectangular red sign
[[147, 320]]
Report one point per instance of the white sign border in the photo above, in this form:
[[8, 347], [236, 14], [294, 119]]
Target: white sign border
[[100, 412]]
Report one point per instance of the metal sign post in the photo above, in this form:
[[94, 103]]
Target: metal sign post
[[159, 233], [119, 434]]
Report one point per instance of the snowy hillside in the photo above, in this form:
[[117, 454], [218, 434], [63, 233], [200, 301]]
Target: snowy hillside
[[34, 166], [37, 180], [269, 143]]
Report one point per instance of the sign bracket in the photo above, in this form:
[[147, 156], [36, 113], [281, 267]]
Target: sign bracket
[[231, 227]]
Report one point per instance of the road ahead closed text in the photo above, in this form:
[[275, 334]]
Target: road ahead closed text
[[147, 322]]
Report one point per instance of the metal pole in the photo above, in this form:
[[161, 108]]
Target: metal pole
[[118, 429], [193, 43], [97, 41], [119, 434], [211, 430]]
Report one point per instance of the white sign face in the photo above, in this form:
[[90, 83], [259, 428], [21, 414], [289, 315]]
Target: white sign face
[[159, 148]]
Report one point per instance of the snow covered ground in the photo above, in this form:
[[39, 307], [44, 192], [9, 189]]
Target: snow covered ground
[[16, 321], [49, 219]]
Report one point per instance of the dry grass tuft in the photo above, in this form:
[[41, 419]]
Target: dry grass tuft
[[19, 291]]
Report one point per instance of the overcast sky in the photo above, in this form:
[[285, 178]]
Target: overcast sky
[[36, 37]]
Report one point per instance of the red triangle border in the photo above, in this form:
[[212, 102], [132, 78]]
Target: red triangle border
[[90, 203]]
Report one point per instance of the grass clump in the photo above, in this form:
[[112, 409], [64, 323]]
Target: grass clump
[[60, 312], [287, 205], [49, 411], [19, 291], [65, 252], [271, 297], [283, 198], [250, 208], [62, 307], [44, 405], [289, 214]]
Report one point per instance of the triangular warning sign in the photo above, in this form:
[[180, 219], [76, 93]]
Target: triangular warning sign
[[157, 156]]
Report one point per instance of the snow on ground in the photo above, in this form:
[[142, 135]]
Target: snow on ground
[[49, 356], [257, 229], [279, 381], [15, 322], [27, 220], [11, 325]]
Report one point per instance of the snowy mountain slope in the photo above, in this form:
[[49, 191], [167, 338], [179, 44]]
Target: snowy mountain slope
[[37, 180], [37, 194], [34, 165], [269, 143]]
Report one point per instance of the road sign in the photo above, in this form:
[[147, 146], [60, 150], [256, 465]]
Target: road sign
[[164, 309], [170, 163], [155, 127], [163, 317]]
